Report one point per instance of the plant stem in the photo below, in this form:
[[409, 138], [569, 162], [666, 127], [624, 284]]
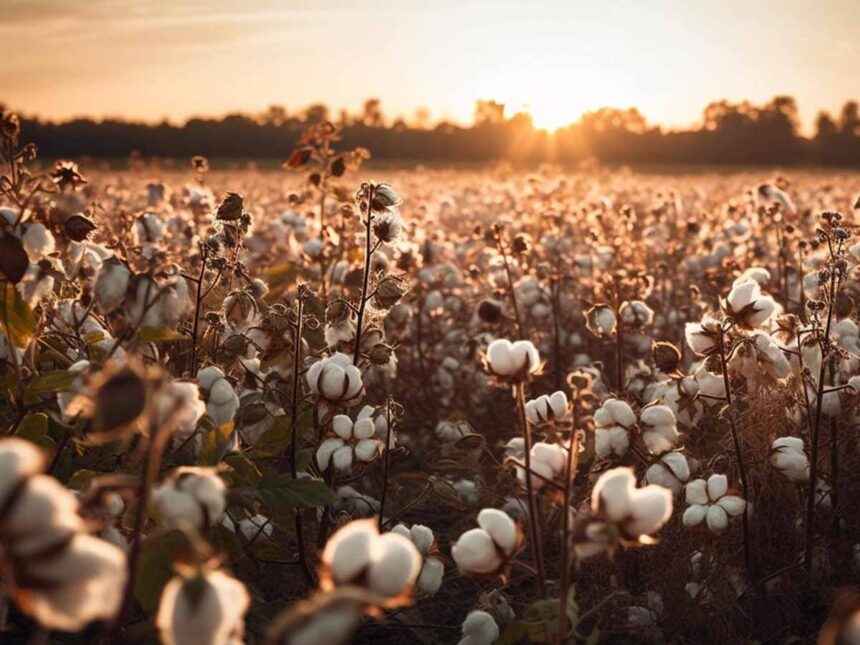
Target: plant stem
[[198, 303], [570, 469], [742, 471], [517, 318], [816, 428], [534, 530], [368, 253], [386, 463], [294, 415]]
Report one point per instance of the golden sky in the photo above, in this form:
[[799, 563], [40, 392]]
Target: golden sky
[[174, 58]]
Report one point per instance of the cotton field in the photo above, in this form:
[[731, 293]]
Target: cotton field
[[335, 402]]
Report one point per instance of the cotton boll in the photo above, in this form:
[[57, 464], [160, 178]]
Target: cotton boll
[[348, 552], [475, 552], [614, 440], [190, 494], [38, 241], [395, 566], [500, 527], [335, 378], [430, 578], [204, 609], [84, 582], [479, 628], [18, 459], [788, 455], [507, 359], [670, 471]]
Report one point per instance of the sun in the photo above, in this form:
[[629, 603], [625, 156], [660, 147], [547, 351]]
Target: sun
[[552, 115]]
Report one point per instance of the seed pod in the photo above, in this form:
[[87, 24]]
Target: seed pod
[[78, 227]]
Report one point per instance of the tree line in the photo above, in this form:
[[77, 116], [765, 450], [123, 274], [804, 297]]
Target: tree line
[[729, 133]]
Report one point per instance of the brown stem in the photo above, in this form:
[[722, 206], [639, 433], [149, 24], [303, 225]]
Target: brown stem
[[570, 469], [534, 530], [368, 253], [742, 471], [517, 318]]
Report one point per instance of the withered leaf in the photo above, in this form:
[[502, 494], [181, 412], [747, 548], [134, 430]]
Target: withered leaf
[[299, 158], [231, 208], [118, 402], [13, 258]]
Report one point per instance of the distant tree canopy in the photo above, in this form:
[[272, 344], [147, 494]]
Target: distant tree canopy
[[730, 133]]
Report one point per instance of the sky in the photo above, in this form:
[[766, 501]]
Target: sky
[[556, 58]]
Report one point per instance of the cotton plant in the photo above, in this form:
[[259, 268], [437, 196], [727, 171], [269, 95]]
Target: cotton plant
[[335, 380]]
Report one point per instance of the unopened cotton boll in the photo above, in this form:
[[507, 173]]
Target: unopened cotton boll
[[788, 456], [509, 360], [335, 378], [207, 609], [479, 628]]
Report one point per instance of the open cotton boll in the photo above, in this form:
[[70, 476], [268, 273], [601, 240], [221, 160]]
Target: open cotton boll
[[38, 241], [546, 408], [788, 456], [207, 609], [659, 431], [507, 359], [479, 628], [636, 314], [347, 552], [19, 459], [619, 512], [671, 471], [747, 306], [190, 494], [484, 550], [43, 514], [112, 284], [335, 378], [387, 564], [83, 582], [703, 337], [708, 501], [395, 565]]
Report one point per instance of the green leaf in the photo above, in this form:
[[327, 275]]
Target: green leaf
[[159, 335], [156, 569], [284, 493], [244, 471], [215, 443], [16, 318], [275, 439], [34, 427], [51, 382]]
